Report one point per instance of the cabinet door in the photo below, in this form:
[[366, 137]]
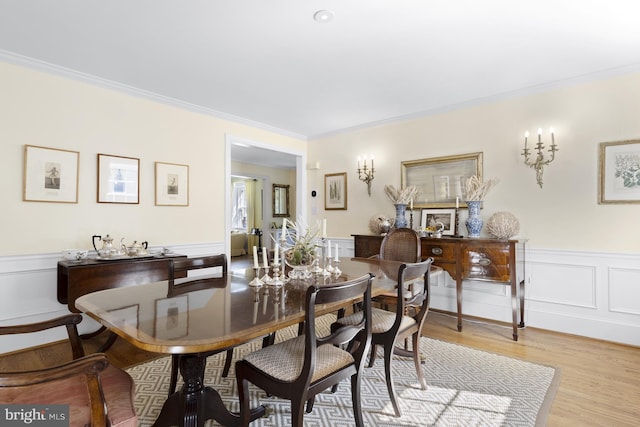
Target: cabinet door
[[486, 261]]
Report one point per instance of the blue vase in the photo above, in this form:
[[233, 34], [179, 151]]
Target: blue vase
[[474, 221], [401, 221]]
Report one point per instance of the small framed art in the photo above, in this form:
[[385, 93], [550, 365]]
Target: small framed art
[[335, 191], [619, 172], [118, 179], [50, 175], [172, 184], [446, 216]]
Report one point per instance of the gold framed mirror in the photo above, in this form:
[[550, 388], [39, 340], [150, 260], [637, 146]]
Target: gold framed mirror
[[280, 198]]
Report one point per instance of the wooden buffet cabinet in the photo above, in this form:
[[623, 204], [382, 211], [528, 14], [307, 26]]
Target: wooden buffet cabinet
[[467, 259]]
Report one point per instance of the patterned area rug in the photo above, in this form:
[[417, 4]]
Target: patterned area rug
[[466, 387]]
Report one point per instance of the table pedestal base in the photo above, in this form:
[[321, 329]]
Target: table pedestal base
[[194, 403]]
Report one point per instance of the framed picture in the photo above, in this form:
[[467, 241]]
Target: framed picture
[[335, 191], [446, 216], [440, 180], [172, 317], [619, 172], [118, 179], [50, 175], [172, 184]]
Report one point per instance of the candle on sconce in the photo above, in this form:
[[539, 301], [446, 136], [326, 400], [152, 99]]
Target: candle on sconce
[[372, 162], [539, 134], [276, 254], [336, 254], [255, 258], [358, 162], [264, 257], [553, 141], [526, 136]]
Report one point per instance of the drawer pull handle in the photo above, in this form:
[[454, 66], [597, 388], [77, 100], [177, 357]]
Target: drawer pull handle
[[484, 261], [436, 251]]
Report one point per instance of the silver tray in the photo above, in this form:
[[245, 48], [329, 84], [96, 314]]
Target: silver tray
[[122, 257]]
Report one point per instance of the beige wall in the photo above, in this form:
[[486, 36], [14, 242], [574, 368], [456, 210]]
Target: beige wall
[[38, 108], [563, 215]]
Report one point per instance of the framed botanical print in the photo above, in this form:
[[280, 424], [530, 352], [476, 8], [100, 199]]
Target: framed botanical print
[[619, 172], [335, 191]]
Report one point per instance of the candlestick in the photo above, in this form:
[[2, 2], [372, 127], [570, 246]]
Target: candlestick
[[255, 257], [264, 257]]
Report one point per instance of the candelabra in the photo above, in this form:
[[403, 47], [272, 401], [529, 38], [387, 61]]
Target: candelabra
[[539, 163], [365, 174]]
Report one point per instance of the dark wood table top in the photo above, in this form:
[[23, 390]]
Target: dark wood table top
[[210, 313]]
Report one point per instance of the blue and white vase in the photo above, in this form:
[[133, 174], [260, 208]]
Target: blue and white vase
[[474, 221], [401, 221]]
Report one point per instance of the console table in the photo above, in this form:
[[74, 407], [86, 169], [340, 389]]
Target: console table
[[77, 278], [467, 259]]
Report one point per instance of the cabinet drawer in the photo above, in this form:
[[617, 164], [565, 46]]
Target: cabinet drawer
[[440, 251], [486, 262]]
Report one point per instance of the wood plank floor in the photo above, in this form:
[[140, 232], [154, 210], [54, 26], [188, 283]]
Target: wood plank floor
[[600, 382]]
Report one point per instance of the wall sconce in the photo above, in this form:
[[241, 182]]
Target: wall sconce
[[539, 163], [366, 173]]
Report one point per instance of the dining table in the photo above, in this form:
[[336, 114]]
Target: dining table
[[195, 317]]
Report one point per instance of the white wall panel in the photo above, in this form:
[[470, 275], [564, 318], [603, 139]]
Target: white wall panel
[[562, 284], [624, 290]]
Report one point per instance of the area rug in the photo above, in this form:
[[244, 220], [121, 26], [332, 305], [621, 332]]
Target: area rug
[[466, 387]]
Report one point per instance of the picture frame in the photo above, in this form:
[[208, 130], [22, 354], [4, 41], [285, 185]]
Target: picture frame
[[118, 179], [172, 184], [619, 172], [335, 191], [441, 180], [172, 317], [446, 216], [50, 175]]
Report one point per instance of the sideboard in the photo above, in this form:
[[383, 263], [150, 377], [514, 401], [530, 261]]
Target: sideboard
[[76, 278], [467, 259]]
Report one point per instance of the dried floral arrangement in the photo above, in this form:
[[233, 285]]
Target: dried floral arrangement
[[503, 225], [477, 189], [403, 196]]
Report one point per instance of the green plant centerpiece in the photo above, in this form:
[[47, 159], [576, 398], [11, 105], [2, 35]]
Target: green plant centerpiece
[[300, 252]]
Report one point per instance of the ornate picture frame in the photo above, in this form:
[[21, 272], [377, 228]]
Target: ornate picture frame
[[172, 184], [50, 175], [335, 191], [118, 179], [619, 172], [440, 180]]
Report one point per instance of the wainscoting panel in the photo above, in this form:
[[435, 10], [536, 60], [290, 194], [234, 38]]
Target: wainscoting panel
[[584, 293]]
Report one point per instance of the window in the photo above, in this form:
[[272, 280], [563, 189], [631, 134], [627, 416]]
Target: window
[[239, 206]]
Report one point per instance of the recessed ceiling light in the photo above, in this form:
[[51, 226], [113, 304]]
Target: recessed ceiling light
[[323, 16]]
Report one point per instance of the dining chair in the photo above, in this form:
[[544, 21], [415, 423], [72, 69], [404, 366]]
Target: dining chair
[[299, 368], [401, 244], [407, 320], [98, 393], [180, 267]]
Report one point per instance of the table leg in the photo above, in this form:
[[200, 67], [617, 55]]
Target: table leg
[[194, 403], [514, 306], [459, 302], [521, 325]]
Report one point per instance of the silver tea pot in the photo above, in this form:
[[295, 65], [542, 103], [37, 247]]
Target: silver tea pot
[[137, 249], [107, 250]]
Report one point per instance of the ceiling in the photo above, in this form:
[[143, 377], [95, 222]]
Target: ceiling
[[269, 64]]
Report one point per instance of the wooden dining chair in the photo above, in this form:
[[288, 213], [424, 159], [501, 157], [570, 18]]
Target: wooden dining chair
[[179, 268], [299, 368], [401, 244], [98, 393], [407, 320]]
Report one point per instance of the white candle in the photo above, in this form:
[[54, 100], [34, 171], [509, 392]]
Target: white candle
[[336, 254], [264, 257], [539, 134], [526, 136], [329, 248], [275, 255], [324, 228], [372, 162], [283, 235], [358, 162], [411, 205], [255, 257], [457, 202]]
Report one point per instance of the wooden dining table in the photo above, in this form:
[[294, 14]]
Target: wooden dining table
[[198, 316]]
